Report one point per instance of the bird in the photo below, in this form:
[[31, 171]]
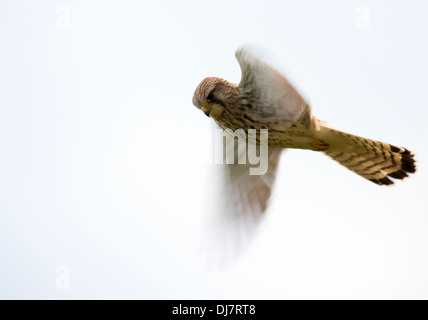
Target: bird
[[265, 99]]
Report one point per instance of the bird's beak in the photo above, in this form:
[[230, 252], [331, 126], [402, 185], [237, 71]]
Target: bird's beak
[[206, 109]]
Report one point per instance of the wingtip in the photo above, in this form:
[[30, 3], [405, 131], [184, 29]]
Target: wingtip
[[250, 51], [408, 166]]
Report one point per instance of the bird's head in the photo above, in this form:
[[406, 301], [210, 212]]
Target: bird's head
[[213, 95]]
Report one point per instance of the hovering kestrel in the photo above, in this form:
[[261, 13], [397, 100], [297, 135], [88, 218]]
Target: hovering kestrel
[[264, 99]]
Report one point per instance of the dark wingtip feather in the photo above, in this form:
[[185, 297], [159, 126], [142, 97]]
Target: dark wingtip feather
[[394, 148], [385, 181], [408, 163], [400, 174]]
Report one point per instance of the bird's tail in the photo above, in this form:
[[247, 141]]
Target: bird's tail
[[373, 160]]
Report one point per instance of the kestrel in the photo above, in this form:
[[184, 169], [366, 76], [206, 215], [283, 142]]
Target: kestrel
[[264, 99]]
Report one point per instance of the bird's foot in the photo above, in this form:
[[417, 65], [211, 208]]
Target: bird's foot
[[320, 146]]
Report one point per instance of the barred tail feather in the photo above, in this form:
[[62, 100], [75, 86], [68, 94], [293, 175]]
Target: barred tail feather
[[376, 161]]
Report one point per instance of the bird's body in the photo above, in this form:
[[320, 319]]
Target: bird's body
[[281, 133], [264, 99]]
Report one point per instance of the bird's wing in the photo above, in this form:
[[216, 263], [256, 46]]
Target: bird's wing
[[245, 193], [275, 98], [239, 204]]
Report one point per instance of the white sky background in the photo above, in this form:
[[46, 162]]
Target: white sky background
[[104, 165]]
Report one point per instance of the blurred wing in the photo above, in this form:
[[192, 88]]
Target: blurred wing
[[245, 195], [238, 206], [275, 98]]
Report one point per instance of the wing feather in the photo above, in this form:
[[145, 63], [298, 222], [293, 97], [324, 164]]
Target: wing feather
[[238, 207], [274, 96]]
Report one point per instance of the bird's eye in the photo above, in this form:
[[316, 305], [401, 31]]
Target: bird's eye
[[210, 96]]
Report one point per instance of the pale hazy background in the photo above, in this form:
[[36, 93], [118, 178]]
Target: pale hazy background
[[104, 161]]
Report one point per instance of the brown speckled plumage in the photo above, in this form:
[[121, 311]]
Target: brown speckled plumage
[[264, 99]]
